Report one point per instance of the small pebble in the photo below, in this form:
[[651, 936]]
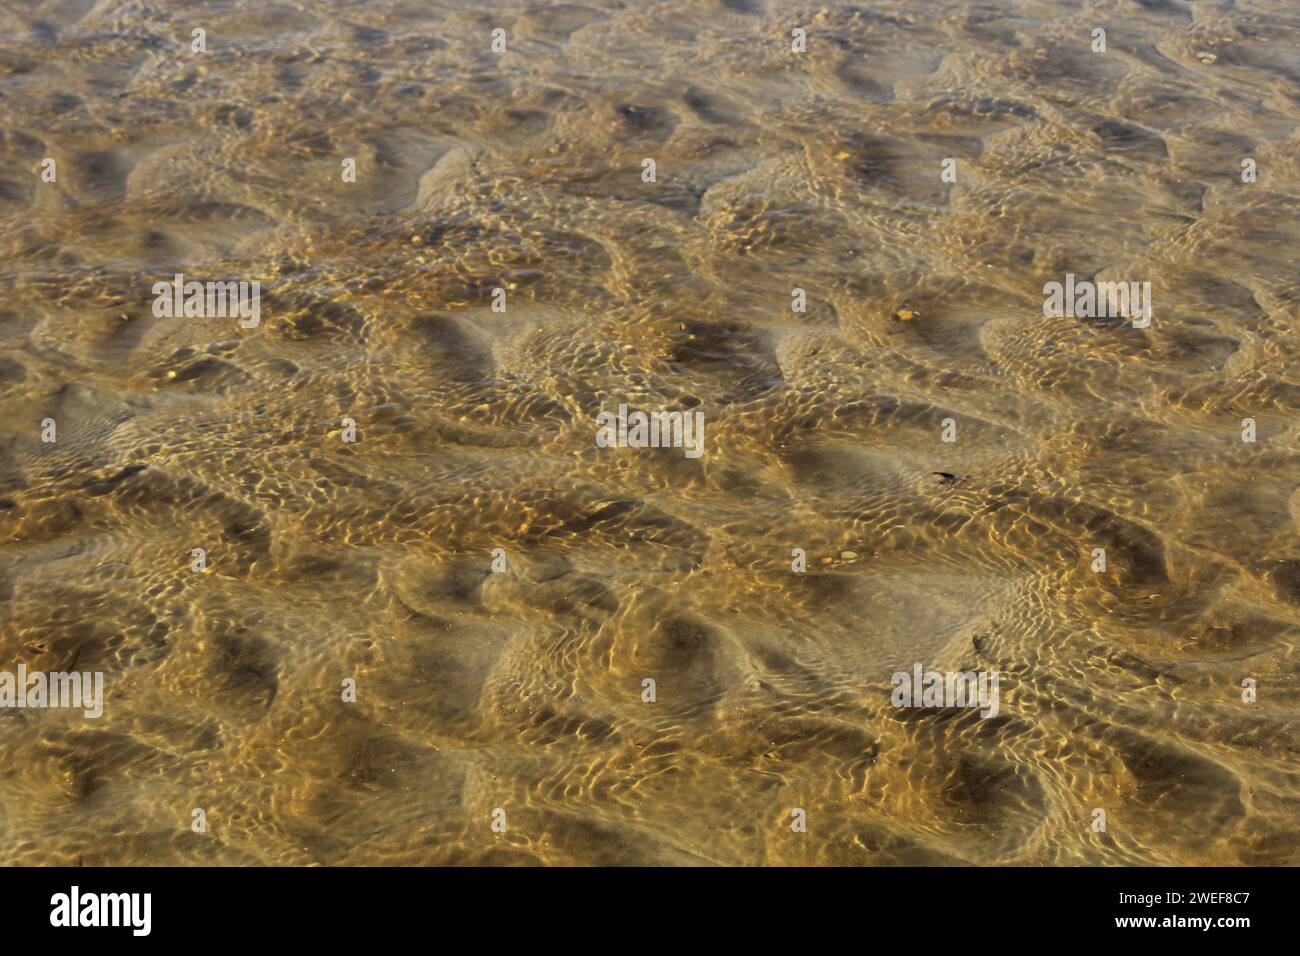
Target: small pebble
[[848, 555]]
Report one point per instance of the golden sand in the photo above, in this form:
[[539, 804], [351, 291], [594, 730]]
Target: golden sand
[[521, 690]]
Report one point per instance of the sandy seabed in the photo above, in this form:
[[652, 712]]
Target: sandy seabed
[[522, 690]]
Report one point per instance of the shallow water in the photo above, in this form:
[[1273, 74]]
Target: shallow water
[[522, 690]]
